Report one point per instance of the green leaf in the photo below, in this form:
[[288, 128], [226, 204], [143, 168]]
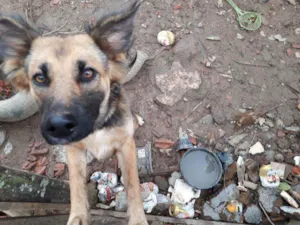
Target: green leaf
[[284, 186]]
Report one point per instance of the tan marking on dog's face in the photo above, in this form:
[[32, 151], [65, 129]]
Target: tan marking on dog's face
[[61, 55]]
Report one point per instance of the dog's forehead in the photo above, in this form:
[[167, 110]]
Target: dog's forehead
[[69, 47]]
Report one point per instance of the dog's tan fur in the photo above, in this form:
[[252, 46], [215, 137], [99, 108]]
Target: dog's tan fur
[[22, 60]]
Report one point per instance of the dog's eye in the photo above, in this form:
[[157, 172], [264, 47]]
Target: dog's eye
[[87, 75], [40, 79]]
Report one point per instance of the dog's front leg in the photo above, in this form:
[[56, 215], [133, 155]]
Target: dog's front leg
[[77, 177], [127, 160]]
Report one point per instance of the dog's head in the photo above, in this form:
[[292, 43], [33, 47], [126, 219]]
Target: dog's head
[[72, 77]]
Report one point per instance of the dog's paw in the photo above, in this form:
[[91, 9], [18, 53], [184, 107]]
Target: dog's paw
[[138, 220], [77, 220]]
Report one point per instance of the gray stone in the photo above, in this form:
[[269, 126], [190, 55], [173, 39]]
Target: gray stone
[[218, 114], [283, 143], [269, 155], [2, 137], [291, 212], [279, 157], [222, 133], [234, 140], [253, 215], [161, 182], [244, 146], [172, 179], [270, 115], [8, 148], [279, 123], [269, 123], [208, 119], [209, 212], [267, 197], [295, 147]]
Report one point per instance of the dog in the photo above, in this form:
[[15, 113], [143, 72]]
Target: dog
[[76, 80]]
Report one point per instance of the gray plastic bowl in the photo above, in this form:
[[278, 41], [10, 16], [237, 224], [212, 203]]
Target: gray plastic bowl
[[201, 168]]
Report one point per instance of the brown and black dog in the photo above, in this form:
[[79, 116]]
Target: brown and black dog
[[76, 81]]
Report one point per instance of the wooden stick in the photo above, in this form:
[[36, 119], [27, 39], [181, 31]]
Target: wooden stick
[[263, 209], [58, 29], [250, 64]]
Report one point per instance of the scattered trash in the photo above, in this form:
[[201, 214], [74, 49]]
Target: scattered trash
[[166, 38], [144, 159], [234, 206], [291, 211], [247, 20], [105, 193], [250, 185], [279, 168], [239, 36], [257, 148], [206, 163], [150, 202], [175, 83], [297, 160], [172, 179], [289, 199], [269, 177], [182, 193], [182, 211], [121, 201], [184, 142], [213, 38], [106, 179]]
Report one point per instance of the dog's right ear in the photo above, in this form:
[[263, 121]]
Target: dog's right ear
[[16, 37]]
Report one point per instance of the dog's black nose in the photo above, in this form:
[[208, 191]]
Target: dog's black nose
[[61, 126]]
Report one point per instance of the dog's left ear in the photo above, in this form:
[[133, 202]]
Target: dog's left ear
[[16, 37], [113, 32]]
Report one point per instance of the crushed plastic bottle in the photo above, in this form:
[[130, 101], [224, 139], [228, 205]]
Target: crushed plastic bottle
[[109, 179]]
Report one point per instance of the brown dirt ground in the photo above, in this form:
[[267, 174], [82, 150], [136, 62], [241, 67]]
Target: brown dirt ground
[[259, 87]]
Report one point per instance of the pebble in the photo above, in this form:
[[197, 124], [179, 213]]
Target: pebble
[[222, 133], [279, 157], [283, 143], [261, 121], [234, 140], [2, 137], [269, 123], [218, 115], [265, 21], [267, 197], [239, 36], [8, 148], [279, 123], [208, 119], [280, 133], [269, 155], [270, 115], [144, 25], [253, 215], [262, 33], [244, 146], [297, 31], [257, 148], [162, 183]]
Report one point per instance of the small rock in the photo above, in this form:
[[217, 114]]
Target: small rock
[[270, 115], [208, 119], [261, 121], [267, 197], [280, 133], [222, 133], [262, 33], [283, 143], [253, 215], [239, 36], [244, 146], [199, 25], [257, 148], [297, 31], [8, 148], [269, 156], [218, 114], [279, 157], [144, 25], [269, 123], [162, 183], [297, 55], [234, 140], [2, 137], [292, 2], [279, 123], [291, 212], [219, 146]]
